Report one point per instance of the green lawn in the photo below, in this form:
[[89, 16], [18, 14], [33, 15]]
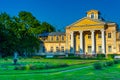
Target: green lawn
[[8, 64], [109, 73]]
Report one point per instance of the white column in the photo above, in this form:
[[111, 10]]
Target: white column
[[103, 41], [72, 42], [81, 42], [93, 42]]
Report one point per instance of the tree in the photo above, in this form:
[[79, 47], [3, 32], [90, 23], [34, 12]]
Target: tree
[[27, 32], [19, 34], [46, 27], [6, 36]]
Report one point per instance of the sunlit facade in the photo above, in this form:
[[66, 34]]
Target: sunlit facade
[[91, 35]]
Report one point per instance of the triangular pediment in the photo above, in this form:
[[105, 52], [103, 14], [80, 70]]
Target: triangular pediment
[[86, 21]]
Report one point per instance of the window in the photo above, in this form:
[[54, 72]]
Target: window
[[119, 35], [89, 36], [51, 38], [51, 49], [99, 48], [62, 49], [57, 38], [57, 49], [109, 35], [119, 47], [78, 48], [44, 49], [78, 37], [89, 49], [109, 48], [99, 35], [92, 15], [62, 38]]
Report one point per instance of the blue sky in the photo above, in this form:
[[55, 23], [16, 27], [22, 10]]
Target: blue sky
[[61, 13]]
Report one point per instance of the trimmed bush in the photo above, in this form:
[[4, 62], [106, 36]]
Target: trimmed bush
[[20, 67], [98, 65], [113, 55], [71, 54], [49, 66], [40, 66], [37, 57], [100, 56], [116, 61], [27, 67], [109, 63], [64, 65]]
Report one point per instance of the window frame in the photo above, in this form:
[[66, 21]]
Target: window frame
[[89, 36], [51, 49], [89, 49], [62, 37], [99, 35], [109, 48], [92, 16], [119, 47], [57, 49], [51, 38], [99, 48], [119, 35], [62, 49], [57, 38], [109, 35]]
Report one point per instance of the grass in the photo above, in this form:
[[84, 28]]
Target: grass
[[8, 64], [109, 73]]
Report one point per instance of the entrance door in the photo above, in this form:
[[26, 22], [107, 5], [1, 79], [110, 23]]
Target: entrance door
[[89, 49]]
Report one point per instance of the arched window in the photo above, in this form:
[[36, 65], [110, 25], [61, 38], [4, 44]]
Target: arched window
[[92, 15]]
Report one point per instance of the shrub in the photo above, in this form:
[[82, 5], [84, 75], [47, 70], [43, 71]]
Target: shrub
[[27, 67], [36, 57], [33, 67], [98, 65], [113, 55], [64, 65], [40, 66], [48, 66], [109, 63], [71, 54], [100, 56], [116, 61], [20, 67], [16, 68], [104, 64]]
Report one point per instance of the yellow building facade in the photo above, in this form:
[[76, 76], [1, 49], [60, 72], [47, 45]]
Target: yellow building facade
[[89, 35]]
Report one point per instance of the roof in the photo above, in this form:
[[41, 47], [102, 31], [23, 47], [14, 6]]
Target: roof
[[92, 10], [43, 34], [96, 20], [52, 34], [56, 33]]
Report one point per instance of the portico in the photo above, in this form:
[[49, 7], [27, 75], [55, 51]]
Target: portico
[[84, 45]]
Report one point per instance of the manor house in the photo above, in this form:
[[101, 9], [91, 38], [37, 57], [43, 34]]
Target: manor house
[[91, 34]]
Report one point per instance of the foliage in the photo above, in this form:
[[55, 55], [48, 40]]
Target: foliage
[[98, 65], [109, 63], [100, 56], [40, 66], [46, 27], [20, 33], [116, 61], [113, 55], [56, 74], [103, 64]]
